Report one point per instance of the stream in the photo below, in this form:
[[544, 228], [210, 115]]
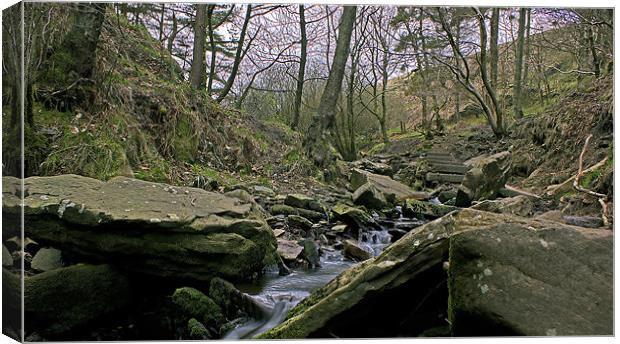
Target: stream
[[278, 294]]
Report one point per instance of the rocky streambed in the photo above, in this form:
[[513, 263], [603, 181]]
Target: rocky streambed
[[128, 259]]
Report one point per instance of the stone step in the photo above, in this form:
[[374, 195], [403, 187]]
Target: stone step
[[449, 168], [444, 177]]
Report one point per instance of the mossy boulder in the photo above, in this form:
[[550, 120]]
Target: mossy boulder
[[426, 209], [283, 209], [311, 253], [60, 300], [373, 167], [47, 259], [195, 304], [234, 304], [197, 330], [152, 228], [353, 216], [11, 304], [304, 202], [543, 278], [299, 222]]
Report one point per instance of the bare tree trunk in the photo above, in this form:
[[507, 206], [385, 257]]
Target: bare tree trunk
[[526, 57], [457, 95], [493, 49], [210, 10], [161, 23], [498, 125], [302, 67], [235, 67], [422, 68], [384, 89], [315, 142], [595, 59], [173, 33], [518, 111], [198, 60]]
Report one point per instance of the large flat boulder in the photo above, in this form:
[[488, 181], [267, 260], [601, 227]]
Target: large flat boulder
[[152, 228], [533, 279], [391, 189], [505, 275]]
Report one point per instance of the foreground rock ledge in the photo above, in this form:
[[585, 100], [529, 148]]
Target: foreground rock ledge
[[151, 228], [507, 275]]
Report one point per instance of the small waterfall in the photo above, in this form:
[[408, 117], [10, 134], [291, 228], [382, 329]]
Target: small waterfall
[[375, 241]]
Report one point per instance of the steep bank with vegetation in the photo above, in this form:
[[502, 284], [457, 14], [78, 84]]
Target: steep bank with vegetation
[[144, 121]]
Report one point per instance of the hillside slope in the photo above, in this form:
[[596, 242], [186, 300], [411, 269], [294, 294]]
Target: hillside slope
[[147, 122]]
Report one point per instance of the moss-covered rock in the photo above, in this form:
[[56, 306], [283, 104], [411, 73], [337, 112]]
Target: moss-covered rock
[[234, 304], [11, 304], [198, 305], [197, 330], [59, 300], [425, 209], [283, 209], [304, 202], [299, 222], [353, 216], [151, 228]]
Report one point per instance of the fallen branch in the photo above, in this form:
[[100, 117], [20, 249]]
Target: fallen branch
[[520, 191], [558, 188], [77, 82], [602, 198]]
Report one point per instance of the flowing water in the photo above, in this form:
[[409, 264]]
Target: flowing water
[[278, 294]]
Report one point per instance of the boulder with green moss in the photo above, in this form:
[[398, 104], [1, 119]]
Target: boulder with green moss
[[152, 228], [426, 209], [197, 330], [60, 300], [304, 202], [283, 209], [193, 303], [353, 216], [234, 303], [486, 273]]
